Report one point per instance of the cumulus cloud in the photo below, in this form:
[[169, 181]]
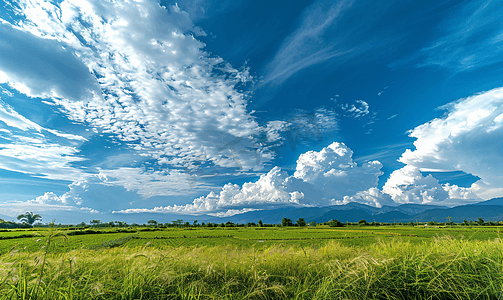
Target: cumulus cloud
[[269, 190], [468, 138], [408, 185], [72, 197], [157, 90], [321, 178], [334, 171], [372, 197]]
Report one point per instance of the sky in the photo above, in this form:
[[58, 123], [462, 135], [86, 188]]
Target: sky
[[110, 109]]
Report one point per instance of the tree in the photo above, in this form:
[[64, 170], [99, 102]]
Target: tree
[[301, 222], [286, 222], [95, 223], [334, 223], [260, 223], [177, 223], [480, 221], [362, 222], [29, 218], [152, 222]]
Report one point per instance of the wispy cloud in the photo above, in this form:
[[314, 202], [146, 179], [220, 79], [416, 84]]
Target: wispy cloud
[[29, 148], [308, 45], [471, 38]]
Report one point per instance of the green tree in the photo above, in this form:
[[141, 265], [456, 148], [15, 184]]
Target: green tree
[[152, 222], [286, 222], [301, 222], [260, 223], [177, 223], [334, 223], [29, 218], [362, 222], [480, 221], [95, 223]]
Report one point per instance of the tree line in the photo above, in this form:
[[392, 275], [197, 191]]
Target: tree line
[[29, 219]]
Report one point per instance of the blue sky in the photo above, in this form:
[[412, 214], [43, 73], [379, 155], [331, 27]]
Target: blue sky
[[189, 108]]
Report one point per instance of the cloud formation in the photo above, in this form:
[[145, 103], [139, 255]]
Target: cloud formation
[[42, 68], [471, 38], [29, 148], [308, 44], [321, 178], [152, 85], [408, 185], [468, 138]]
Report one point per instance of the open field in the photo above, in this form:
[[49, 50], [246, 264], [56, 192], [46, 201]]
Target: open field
[[355, 262]]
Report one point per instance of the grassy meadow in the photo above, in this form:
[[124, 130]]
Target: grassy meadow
[[352, 262]]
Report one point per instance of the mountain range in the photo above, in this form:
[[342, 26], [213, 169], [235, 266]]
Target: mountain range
[[490, 210]]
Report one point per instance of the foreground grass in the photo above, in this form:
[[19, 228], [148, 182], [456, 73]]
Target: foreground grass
[[443, 268]]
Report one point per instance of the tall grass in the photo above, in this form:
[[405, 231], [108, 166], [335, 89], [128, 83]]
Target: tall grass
[[440, 269]]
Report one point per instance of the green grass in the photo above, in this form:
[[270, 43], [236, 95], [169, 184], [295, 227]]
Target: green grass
[[275, 263]]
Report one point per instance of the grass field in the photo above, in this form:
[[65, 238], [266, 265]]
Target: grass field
[[355, 262]]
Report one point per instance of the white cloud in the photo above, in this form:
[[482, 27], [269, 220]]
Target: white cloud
[[408, 185], [13, 119], [372, 197], [355, 111], [471, 38], [307, 46], [29, 148], [71, 198], [302, 127], [51, 161], [321, 179], [468, 138], [153, 183], [18, 207], [158, 90], [232, 212], [39, 67], [333, 170]]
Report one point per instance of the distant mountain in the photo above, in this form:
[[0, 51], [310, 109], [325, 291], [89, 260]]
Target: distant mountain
[[495, 201], [7, 218], [351, 212], [465, 212], [350, 215], [411, 209], [491, 210]]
